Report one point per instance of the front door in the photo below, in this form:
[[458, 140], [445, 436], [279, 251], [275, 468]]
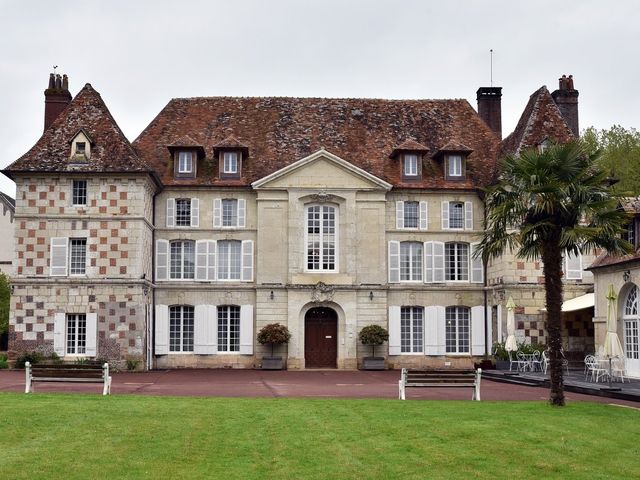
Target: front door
[[631, 344], [320, 338]]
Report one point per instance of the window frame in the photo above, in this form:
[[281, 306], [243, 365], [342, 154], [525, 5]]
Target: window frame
[[321, 235], [70, 258], [462, 217], [183, 309], [457, 263], [457, 339], [220, 316], [183, 201], [234, 201], [78, 317], [184, 153], [219, 243], [236, 159], [449, 175], [182, 278], [76, 185], [412, 310], [410, 173], [417, 216], [412, 268]]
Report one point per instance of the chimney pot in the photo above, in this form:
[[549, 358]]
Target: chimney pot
[[490, 108], [65, 82], [52, 81], [566, 98], [58, 82]]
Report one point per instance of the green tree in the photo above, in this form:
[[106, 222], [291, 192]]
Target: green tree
[[5, 294], [620, 156], [546, 205]]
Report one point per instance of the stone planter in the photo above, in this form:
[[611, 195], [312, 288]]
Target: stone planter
[[502, 364], [272, 363], [373, 363]]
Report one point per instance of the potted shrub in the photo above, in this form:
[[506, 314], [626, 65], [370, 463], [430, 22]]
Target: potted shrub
[[373, 335], [501, 356], [275, 334]]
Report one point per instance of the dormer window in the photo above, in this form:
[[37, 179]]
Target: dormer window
[[81, 144], [410, 165], [454, 166], [185, 162], [230, 163], [231, 154], [81, 148], [546, 143], [454, 160]]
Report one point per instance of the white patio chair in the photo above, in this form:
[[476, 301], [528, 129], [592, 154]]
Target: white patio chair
[[536, 363], [545, 361], [519, 364], [595, 368], [523, 362], [617, 368]]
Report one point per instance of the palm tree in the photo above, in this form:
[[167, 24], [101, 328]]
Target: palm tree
[[546, 205]]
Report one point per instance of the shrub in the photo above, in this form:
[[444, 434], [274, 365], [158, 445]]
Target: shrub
[[31, 357], [4, 363], [132, 364], [373, 335], [500, 353], [275, 334]]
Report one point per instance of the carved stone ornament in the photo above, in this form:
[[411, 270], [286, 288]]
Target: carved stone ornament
[[322, 293], [321, 197]]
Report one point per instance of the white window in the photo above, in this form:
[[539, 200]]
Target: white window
[[546, 143], [182, 253], [321, 238], [411, 215], [230, 162], [183, 212], [630, 233], [631, 325], [456, 262], [185, 162], [457, 329], [229, 328], [229, 259], [411, 329], [181, 328], [229, 212], [81, 148], [78, 256], [79, 192], [76, 334], [573, 266], [455, 166], [411, 261], [457, 215], [410, 164]]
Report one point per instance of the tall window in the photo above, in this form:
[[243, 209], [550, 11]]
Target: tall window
[[410, 164], [456, 214], [183, 212], [456, 261], [411, 214], [79, 193], [76, 334], [411, 329], [455, 166], [630, 233], [230, 162], [185, 162], [229, 328], [181, 328], [457, 330], [78, 257], [631, 325], [182, 259], [229, 259], [229, 212], [411, 261], [321, 237]]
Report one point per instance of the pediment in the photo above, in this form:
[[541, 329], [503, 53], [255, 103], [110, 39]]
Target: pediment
[[322, 170]]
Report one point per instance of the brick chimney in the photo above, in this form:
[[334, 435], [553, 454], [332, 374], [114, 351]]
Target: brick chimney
[[566, 97], [56, 98], [490, 108]]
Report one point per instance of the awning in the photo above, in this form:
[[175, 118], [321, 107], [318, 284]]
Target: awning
[[578, 303]]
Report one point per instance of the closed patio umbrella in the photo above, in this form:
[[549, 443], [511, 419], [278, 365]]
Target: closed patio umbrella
[[612, 345], [511, 345]]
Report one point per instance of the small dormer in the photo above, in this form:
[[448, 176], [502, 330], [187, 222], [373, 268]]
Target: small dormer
[[81, 144], [231, 153], [544, 144], [453, 156], [409, 155], [185, 152]]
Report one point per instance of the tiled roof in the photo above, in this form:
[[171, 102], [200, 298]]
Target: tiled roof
[[606, 260], [630, 204], [110, 150], [540, 120], [184, 141], [280, 131], [409, 145], [10, 202], [452, 146], [231, 142]]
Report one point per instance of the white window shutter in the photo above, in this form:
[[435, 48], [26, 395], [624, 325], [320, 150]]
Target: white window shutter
[[58, 256], [217, 212], [438, 261], [201, 259], [162, 330], [423, 216], [477, 271], [242, 212], [92, 334], [441, 332], [211, 259], [573, 266], [431, 340], [195, 212], [246, 329], [162, 259], [247, 260], [59, 324], [399, 214], [394, 261], [171, 212], [477, 330], [445, 215], [205, 330], [468, 215], [428, 262], [394, 330]]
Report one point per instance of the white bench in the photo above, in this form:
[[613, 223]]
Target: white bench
[[68, 372], [440, 378]]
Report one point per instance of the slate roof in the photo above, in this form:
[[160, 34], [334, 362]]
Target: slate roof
[[279, 131], [540, 120], [110, 150]]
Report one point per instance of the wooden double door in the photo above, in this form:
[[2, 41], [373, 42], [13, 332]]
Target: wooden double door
[[321, 338]]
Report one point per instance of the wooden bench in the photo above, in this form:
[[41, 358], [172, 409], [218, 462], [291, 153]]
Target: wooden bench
[[440, 378], [68, 372]]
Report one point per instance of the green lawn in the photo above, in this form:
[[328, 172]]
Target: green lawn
[[82, 436]]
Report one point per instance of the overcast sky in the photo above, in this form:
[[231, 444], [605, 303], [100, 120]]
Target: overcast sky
[[140, 54]]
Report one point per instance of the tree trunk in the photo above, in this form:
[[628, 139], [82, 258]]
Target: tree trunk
[[552, 267]]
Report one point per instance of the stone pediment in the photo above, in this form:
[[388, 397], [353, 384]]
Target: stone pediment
[[322, 170]]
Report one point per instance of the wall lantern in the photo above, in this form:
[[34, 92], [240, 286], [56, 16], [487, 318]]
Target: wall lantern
[[626, 275]]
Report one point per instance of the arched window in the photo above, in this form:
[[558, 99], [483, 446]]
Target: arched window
[[631, 325], [321, 238], [631, 303]]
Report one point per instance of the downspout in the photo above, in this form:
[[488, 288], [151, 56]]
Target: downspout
[[151, 334]]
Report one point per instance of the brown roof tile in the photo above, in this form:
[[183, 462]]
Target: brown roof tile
[[110, 150], [184, 141], [606, 260], [452, 146], [409, 145], [282, 130], [229, 143]]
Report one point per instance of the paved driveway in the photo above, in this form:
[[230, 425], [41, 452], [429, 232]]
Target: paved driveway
[[256, 383]]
